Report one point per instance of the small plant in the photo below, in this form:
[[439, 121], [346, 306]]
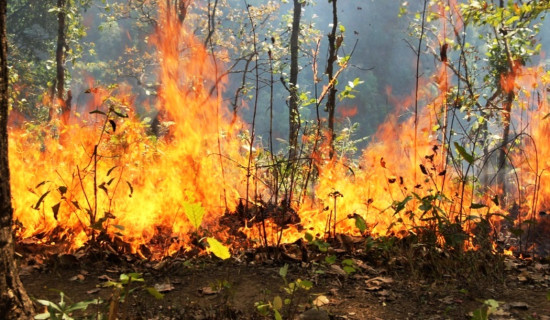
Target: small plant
[[123, 288], [63, 310], [287, 306], [489, 307]]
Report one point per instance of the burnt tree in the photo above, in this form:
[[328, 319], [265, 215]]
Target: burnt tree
[[14, 302], [332, 58]]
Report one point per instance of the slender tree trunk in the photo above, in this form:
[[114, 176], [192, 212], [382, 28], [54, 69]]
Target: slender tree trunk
[[14, 302], [60, 62], [510, 95], [503, 154], [331, 99], [293, 112]]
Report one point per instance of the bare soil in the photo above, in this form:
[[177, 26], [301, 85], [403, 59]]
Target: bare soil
[[399, 285]]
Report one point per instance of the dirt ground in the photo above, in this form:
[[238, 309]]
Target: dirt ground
[[413, 286]]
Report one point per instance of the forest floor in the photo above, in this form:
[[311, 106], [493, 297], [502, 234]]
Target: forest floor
[[381, 284]]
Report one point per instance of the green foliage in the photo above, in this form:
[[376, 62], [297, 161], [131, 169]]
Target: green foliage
[[350, 89], [489, 307], [321, 244], [124, 285], [32, 38], [63, 310], [285, 307], [194, 212], [218, 249], [465, 155], [121, 290]]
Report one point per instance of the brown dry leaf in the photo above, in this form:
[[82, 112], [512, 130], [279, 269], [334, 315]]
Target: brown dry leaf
[[384, 293], [338, 270], [78, 277], [541, 267], [377, 283], [164, 287], [321, 301], [523, 278], [208, 291], [510, 265], [519, 305], [105, 277], [500, 314], [448, 300], [25, 270], [536, 277], [92, 291]]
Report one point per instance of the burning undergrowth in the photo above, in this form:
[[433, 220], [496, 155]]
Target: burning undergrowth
[[102, 177]]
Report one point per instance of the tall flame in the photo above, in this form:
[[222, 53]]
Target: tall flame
[[104, 171], [133, 184]]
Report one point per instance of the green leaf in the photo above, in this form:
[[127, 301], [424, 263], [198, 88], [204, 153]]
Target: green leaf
[[283, 271], [347, 262], [218, 249], [277, 315], [194, 212], [349, 269], [401, 205], [82, 305], [42, 316], [468, 157], [50, 304], [477, 206], [277, 303], [263, 309], [512, 20], [360, 223], [304, 284], [330, 259], [154, 292]]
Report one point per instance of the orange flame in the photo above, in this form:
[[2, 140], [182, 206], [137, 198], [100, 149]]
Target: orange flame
[[111, 175]]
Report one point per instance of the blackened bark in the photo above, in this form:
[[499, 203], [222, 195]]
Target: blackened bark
[[14, 302], [293, 112], [331, 99]]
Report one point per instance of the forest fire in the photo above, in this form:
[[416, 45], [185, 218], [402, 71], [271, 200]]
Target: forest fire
[[103, 173]]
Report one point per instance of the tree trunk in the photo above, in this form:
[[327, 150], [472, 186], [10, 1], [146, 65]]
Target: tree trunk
[[331, 99], [293, 112], [14, 302], [503, 154], [60, 62], [507, 85]]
